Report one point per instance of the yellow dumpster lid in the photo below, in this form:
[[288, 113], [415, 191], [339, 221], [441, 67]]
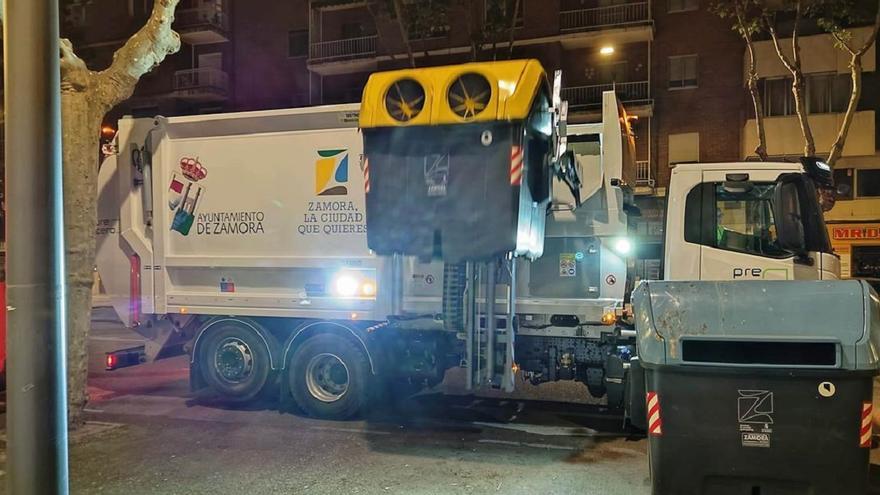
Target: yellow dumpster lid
[[452, 94]]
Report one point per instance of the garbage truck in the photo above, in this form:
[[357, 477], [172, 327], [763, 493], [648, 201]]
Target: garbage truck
[[452, 219]]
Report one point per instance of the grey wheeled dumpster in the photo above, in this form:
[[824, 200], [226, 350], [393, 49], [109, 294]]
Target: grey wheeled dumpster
[[758, 388]]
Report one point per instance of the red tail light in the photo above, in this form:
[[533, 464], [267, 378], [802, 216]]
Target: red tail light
[[112, 361], [134, 293]]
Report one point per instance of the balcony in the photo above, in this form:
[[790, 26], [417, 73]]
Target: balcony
[[589, 98], [201, 85], [202, 25], [643, 173], [343, 56], [629, 22], [604, 17]]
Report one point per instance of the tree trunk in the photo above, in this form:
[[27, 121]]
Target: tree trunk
[[797, 86], [513, 27], [86, 96], [855, 68], [761, 148], [800, 107], [404, 34], [380, 40], [82, 122]]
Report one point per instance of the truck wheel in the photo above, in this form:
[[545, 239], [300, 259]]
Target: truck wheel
[[329, 377], [234, 362]]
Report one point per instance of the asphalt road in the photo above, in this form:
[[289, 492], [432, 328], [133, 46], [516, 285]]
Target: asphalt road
[[172, 442], [149, 435]]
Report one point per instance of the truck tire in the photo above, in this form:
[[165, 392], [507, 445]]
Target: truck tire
[[234, 361], [329, 377]]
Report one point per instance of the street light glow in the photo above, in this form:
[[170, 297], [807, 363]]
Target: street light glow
[[606, 50]]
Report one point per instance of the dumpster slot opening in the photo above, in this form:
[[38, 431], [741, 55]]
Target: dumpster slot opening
[[768, 353]]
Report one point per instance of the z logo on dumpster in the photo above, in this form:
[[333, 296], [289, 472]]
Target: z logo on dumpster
[[755, 414], [755, 406]]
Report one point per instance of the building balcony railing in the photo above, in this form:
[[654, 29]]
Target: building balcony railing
[[582, 98], [643, 173], [349, 48], [203, 84], [604, 17], [202, 25]]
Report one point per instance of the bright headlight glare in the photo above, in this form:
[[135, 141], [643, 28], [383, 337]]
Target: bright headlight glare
[[622, 246], [346, 285], [368, 288]]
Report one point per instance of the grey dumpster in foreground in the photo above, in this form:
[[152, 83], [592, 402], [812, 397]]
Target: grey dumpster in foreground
[[758, 387]]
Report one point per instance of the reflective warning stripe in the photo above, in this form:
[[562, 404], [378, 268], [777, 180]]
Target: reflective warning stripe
[[516, 165], [366, 175], [655, 423], [865, 432]]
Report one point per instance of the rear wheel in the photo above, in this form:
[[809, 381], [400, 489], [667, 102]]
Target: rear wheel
[[234, 361], [329, 377]]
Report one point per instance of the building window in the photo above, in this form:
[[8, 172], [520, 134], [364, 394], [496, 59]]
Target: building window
[[828, 93], [843, 181], [684, 148], [298, 43], [778, 99], [683, 72], [866, 261], [683, 5], [74, 15], [868, 183], [497, 10], [825, 93]]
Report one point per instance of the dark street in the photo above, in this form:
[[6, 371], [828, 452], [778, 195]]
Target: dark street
[[150, 435]]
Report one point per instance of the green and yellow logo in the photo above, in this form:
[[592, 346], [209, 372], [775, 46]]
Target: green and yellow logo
[[331, 172]]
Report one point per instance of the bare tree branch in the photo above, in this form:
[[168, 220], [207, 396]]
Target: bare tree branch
[[797, 86], [143, 51], [761, 148], [75, 76], [404, 31], [513, 26], [855, 67], [775, 37]]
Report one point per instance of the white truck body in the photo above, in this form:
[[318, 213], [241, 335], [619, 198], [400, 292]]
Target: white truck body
[[264, 241], [243, 236]]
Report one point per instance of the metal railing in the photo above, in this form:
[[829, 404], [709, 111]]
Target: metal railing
[[204, 79], [599, 17], [584, 97], [208, 15], [643, 173], [364, 46]]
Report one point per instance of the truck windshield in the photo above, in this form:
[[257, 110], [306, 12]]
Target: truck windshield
[[744, 221]]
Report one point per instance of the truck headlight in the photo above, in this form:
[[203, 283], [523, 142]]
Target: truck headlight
[[622, 246], [345, 285], [354, 284]]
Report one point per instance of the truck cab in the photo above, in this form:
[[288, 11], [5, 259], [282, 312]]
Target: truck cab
[[748, 221]]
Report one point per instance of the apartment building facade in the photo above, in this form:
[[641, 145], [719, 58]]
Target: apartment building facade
[[854, 221], [678, 69]]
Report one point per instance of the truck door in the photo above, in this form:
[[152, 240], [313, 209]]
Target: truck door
[[738, 229]]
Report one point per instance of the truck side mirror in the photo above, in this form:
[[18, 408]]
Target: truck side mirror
[[567, 171], [789, 219]]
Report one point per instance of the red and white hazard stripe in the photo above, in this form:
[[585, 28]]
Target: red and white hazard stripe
[[865, 431], [366, 175], [655, 423], [516, 165]]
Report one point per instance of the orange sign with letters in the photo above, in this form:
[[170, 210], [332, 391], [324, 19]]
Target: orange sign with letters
[[855, 232]]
